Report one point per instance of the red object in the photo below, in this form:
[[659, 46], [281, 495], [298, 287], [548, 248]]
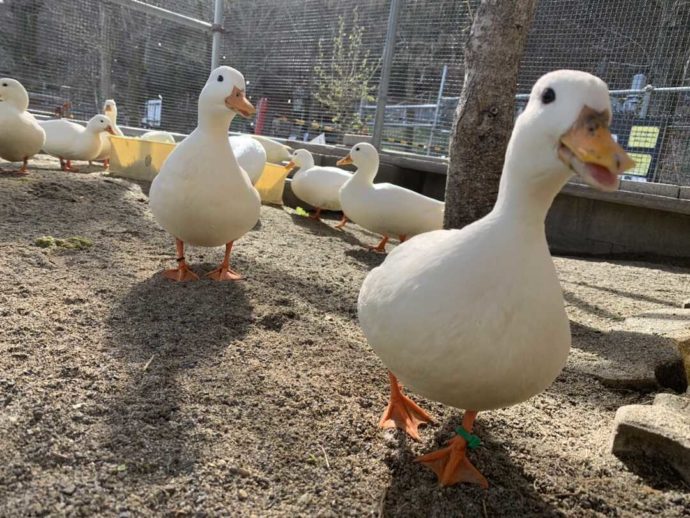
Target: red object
[[261, 109]]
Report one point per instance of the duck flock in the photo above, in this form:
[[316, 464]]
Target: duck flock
[[473, 318]]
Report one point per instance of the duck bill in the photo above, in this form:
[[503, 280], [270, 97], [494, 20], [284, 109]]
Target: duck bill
[[238, 102], [290, 165], [347, 160], [110, 130], [589, 149]]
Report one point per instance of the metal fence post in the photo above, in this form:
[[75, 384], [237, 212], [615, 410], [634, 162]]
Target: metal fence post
[[439, 99], [217, 29], [387, 62]]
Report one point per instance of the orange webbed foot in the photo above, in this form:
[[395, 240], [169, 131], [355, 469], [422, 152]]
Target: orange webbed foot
[[181, 274], [452, 466], [342, 222], [316, 215], [224, 273], [381, 247], [402, 412]]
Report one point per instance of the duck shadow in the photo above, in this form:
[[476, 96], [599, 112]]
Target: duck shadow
[[414, 489], [322, 228], [367, 257], [159, 332]]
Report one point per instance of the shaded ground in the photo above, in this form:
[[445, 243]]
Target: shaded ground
[[122, 394]]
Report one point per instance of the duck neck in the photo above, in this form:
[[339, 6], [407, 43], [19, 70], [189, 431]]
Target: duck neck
[[366, 173], [525, 194], [215, 123]]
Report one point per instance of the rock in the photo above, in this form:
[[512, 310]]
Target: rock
[[660, 431], [643, 352], [242, 494], [686, 304]]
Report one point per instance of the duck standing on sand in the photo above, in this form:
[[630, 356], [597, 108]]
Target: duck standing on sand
[[69, 141], [201, 195], [21, 137], [475, 318], [319, 186], [384, 208]]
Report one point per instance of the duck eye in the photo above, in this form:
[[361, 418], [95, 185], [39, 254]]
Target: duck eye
[[220, 79], [356, 149], [5, 84], [548, 96]]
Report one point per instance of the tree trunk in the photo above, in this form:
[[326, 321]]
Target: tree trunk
[[485, 113]]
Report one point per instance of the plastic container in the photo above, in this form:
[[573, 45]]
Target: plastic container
[[136, 158]]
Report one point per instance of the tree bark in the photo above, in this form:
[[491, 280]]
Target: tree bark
[[485, 113]]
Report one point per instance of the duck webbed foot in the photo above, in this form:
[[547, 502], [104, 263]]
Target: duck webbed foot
[[451, 464], [316, 215], [402, 412], [381, 247], [224, 272], [342, 222], [182, 272]]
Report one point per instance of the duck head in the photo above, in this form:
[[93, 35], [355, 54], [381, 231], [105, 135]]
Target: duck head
[[110, 108], [99, 123], [564, 130], [301, 158], [13, 92], [361, 155], [224, 92]]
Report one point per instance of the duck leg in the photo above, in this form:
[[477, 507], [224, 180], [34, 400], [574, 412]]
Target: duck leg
[[451, 464], [381, 247], [66, 165], [402, 412], [182, 272], [25, 165], [224, 272], [106, 163], [316, 215], [342, 222]]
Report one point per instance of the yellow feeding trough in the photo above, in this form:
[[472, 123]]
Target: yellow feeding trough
[[136, 158], [271, 183], [142, 160]]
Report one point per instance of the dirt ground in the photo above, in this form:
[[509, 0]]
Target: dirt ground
[[123, 394]]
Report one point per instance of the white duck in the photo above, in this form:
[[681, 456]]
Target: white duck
[[317, 185], [164, 137], [110, 111], [21, 137], [275, 151], [474, 318], [69, 141], [250, 154], [384, 208], [201, 195]]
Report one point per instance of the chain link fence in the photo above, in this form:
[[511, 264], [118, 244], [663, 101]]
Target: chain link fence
[[314, 67]]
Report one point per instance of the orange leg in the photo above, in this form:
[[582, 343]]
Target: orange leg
[[25, 165], [402, 238], [316, 215], [182, 272], [106, 163], [402, 412], [224, 272], [66, 165], [451, 464], [342, 222], [381, 247]]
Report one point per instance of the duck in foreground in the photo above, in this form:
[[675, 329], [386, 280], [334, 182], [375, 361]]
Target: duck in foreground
[[201, 195], [384, 208], [21, 137], [317, 185], [474, 318], [69, 141]]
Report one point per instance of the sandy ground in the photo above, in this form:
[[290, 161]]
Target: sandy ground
[[122, 394]]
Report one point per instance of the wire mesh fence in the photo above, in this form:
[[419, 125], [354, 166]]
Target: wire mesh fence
[[314, 66]]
